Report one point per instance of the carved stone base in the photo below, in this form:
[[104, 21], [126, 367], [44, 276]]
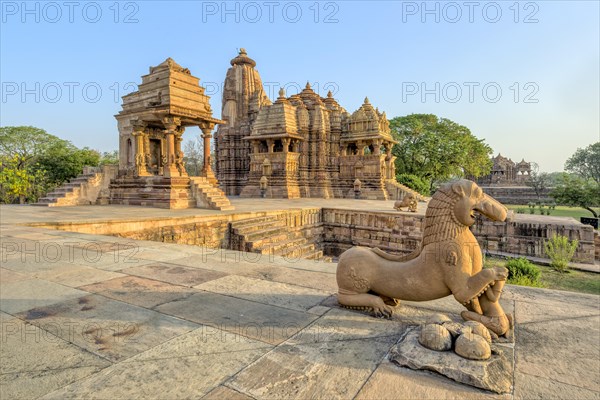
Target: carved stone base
[[155, 191], [494, 374]]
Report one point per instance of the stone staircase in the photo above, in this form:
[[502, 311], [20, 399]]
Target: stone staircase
[[271, 235], [82, 190], [397, 191], [208, 195]]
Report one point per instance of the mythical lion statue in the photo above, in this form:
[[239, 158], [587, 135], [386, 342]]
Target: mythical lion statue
[[449, 262]]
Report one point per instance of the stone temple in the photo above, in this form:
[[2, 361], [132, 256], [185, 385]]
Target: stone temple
[[151, 125], [506, 172], [300, 146]]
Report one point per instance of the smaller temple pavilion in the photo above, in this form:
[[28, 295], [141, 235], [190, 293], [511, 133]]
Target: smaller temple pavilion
[[506, 172], [151, 124]]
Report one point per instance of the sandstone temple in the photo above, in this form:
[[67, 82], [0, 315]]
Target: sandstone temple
[[151, 125], [303, 145], [506, 172]]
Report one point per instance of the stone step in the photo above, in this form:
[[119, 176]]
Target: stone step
[[265, 242], [315, 255], [254, 221], [266, 233], [300, 251], [286, 246], [256, 226]]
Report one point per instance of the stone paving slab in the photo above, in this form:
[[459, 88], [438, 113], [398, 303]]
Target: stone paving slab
[[251, 319], [35, 361], [187, 366], [274, 293], [138, 291], [76, 275], [8, 276], [175, 274], [26, 294], [332, 370], [111, 329]]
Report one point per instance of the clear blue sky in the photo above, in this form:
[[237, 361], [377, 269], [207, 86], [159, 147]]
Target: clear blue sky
[[546, 53]]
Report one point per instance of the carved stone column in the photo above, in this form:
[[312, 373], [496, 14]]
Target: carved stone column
[[206, 135], [179, 163], [171, 124], [139, 151], [286, 145]]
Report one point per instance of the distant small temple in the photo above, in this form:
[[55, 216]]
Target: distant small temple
[[505, 172], [304, 145]]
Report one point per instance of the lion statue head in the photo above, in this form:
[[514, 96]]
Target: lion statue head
[[453, 206]]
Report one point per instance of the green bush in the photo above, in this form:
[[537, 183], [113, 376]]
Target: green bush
[[521, 269], [520, 211], [526, 281], [560, 250], [415, 183]]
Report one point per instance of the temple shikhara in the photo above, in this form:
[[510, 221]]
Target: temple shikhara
[[303, 145]]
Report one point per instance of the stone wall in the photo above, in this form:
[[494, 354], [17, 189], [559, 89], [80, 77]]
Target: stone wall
[[333, 231], [521, 195], [526, 234], [393, 232]]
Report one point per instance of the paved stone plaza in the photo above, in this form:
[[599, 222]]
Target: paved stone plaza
[[93, 316]]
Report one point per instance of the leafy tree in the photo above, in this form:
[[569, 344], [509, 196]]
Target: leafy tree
[[63, 161], [194, 156], [575, 191], [538, 181], [26, 142], [414, 182], [18, 183], [586, 162], [33, 161], [437, 149], [109, 158]]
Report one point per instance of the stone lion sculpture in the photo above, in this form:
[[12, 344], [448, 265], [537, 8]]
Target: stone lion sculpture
[[409, 201], [449, 262]]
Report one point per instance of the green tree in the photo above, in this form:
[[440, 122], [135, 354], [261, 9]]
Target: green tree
[[538, 181], [63, 161], [586, 162], [437, 149], [34, 161], [26, 142], [18, 183], [109, 158], [576, 191]]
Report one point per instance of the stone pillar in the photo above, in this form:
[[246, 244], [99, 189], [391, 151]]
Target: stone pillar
[[178, 153], [270, 145], [206, 135], [286, 145], [171, 124], [377, 147], [139, 152]]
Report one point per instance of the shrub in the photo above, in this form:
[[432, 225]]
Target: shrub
[[520, 269], [415, 183], [520, 211], [526, 281], [560, 250]]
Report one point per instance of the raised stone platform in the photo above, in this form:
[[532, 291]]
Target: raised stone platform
[[94, 316]]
